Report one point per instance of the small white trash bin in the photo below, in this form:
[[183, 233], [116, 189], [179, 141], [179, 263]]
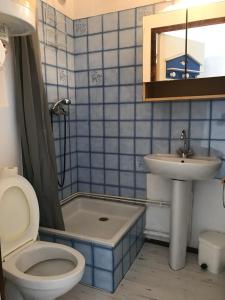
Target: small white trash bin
[[211, 254]]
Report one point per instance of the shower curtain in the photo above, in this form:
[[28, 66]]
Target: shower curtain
[[38, 153]]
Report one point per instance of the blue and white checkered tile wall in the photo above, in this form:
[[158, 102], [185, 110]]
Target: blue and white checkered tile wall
[[112, 129], [57, 52]]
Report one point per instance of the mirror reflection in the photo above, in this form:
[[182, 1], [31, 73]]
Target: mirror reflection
[[205, 53]]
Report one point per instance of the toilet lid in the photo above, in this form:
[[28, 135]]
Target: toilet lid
[[19, 213]]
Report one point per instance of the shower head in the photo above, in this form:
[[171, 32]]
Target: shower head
[[57, 108]]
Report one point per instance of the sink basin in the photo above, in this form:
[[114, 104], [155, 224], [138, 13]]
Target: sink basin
[[174, 167]]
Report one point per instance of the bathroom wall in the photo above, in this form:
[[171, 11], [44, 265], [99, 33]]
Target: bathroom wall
[[10, 148], [57, 53], [110, 128], [115, 129]]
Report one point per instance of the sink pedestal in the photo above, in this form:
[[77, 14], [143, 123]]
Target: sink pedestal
[[180, 222]]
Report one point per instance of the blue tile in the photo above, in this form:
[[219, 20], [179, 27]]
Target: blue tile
[[140, 242], [133, 234], [95, 60], [94, 24], [83, 159], [111, 161], [140, 164], [103, 280], [127, 93], [50, 56], [160, 146], [111, 145], [127, 163], [111, 77], [63, 241], [143, 147], [139, 226], [161, 111], [69, 44], [96, 128], [180, 110], [118, 275], [110, 21], [96, 78], [218, 109], [69, 26], [160, 129], [96, 95], [111, 94], [110, 40], [81, 62], [110, 58], [112, 177], [49, 14], [126, 263], [111, 129], [96, 112], [133, 252], [85, 250], [200, 110], [80, 27], [111, 190], [98, 189], [143, 129], [95, 42], [111, 112], [84, 187], [200, 147], [81, 96], [97, 160], [84, 174], [217, 130], [127, 129], [127, 179], [97, 176], [126, 146], [126, 111], [82, 128], [141, 180], [88, 276], [139, 36], [81, 79], [82, 112], [126, 243], [127, 38], [46, 237], [118, 253], [127, 75], [127, 18], [199, 129], [97, 144], [217, 148], [127, 57], [103, 258], [143, 111], [80, 45]]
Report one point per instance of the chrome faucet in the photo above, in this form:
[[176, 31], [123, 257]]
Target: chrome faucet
[[185, 151]]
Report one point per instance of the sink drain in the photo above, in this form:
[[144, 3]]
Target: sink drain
[[103, 219]]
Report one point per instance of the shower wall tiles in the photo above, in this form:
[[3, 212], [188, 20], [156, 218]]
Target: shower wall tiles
[[110, 129], [115, 129], [57, 53]]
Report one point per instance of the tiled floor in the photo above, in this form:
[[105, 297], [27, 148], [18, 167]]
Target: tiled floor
[[151, 278]]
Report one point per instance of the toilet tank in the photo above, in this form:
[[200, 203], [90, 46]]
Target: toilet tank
[[18, 16]]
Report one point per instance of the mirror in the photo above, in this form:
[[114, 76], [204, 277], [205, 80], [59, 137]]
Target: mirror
[[185, 60]]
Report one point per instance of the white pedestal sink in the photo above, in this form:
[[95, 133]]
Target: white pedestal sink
[[182, 171]]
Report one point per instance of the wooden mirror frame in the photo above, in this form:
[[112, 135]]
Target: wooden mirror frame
[[200, 88]]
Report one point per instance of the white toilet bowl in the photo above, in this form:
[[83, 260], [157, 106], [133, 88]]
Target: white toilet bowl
[[44, 270], [40, 270]]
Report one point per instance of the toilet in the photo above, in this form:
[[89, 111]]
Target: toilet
[[39, 270]]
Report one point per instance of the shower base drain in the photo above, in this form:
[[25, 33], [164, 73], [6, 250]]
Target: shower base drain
[[103, 219]]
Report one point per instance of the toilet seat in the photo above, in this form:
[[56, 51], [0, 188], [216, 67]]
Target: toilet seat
[[18, 264], [19, 213]]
